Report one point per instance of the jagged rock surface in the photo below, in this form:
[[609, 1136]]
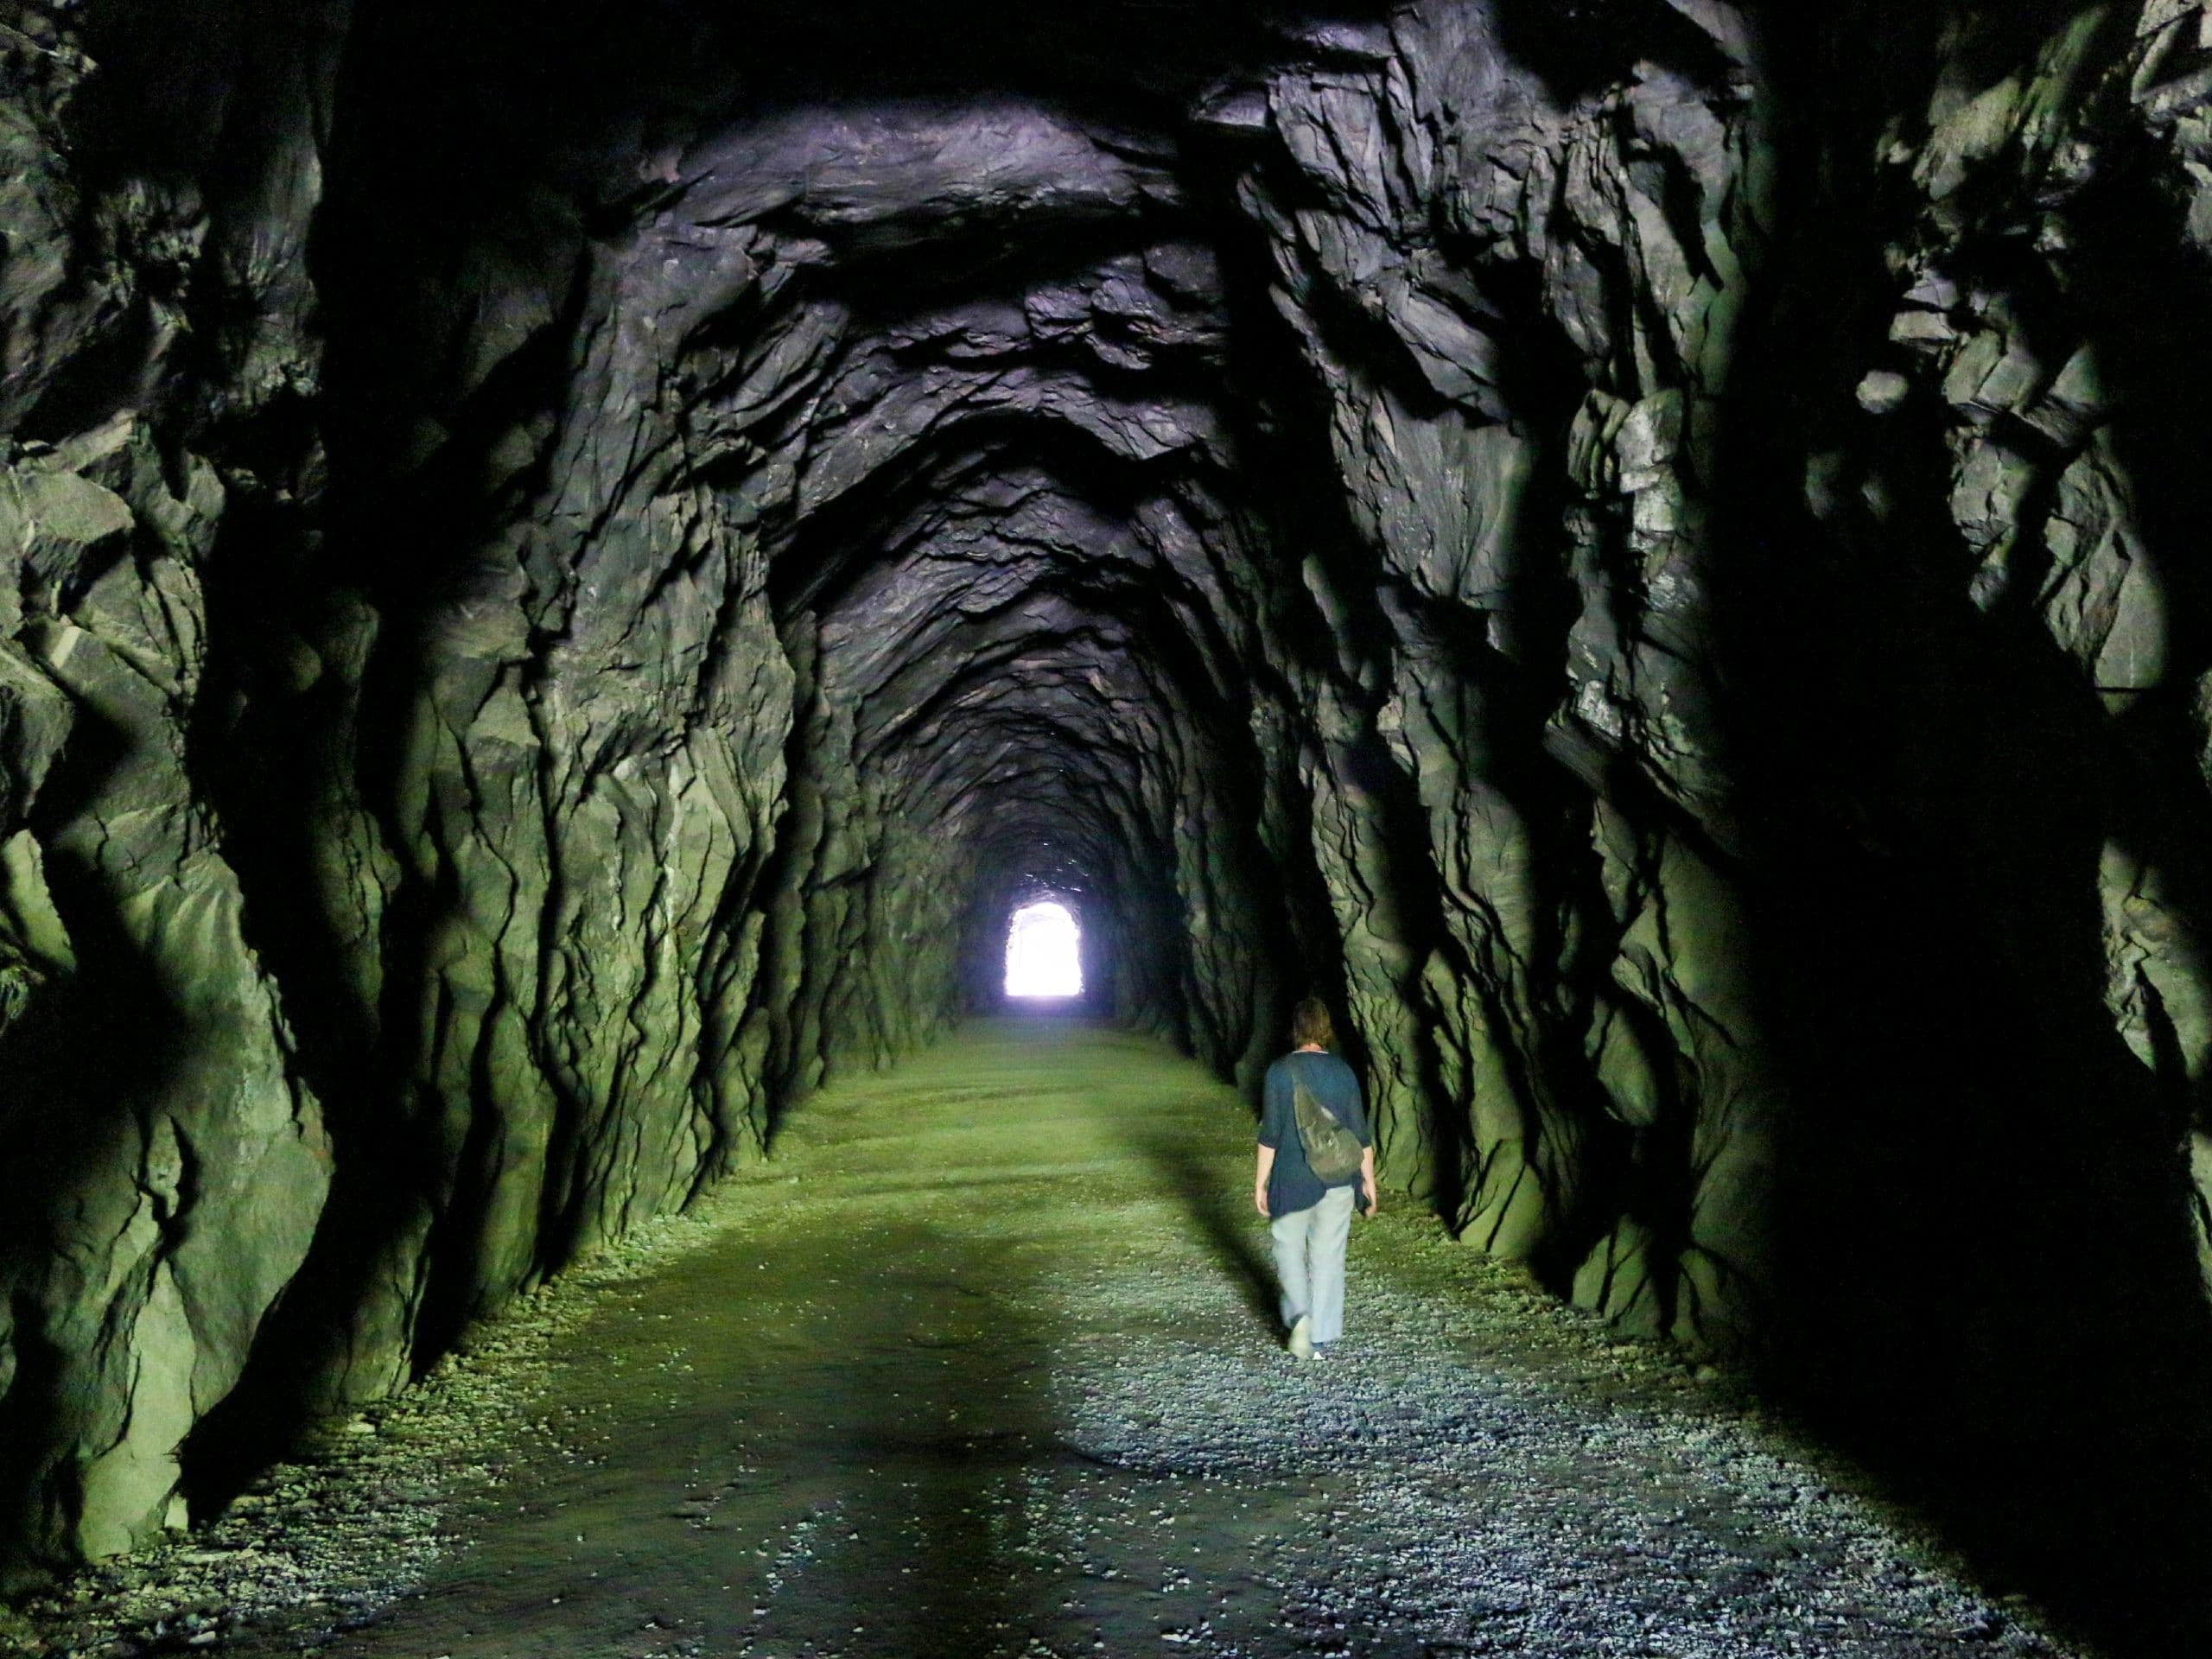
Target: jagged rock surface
[[166, 1160], [1647, 548]]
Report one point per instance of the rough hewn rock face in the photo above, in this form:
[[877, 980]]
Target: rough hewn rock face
[[1519, 297], [166, 1161], [1765, 791], [1791, 792], [1645, 547]]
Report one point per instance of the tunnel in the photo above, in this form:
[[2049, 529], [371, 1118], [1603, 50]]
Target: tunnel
[[566, 572]]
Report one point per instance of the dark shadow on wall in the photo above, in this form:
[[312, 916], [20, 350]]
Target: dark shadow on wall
[[106, 1039], [2148, 339], [1983, 1282], [81, 1068]]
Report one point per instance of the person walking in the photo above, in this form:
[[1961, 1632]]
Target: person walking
[[1317, 1156]]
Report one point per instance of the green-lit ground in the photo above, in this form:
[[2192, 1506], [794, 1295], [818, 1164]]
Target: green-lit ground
[[824, 1433], [983, 1364]]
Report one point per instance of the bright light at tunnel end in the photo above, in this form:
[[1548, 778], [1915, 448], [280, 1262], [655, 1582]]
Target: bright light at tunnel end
[[1043, 954]]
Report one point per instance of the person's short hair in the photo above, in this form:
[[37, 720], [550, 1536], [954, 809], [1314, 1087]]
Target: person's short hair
[[1310, 1025]]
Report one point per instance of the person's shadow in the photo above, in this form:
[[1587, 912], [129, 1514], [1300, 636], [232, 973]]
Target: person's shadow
[[1186, 1167]]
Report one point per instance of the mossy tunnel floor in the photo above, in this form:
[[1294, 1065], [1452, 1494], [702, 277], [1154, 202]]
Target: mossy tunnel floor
[[983, 1362]]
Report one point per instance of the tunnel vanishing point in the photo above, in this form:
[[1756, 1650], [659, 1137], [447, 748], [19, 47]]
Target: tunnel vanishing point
[[564, 568]]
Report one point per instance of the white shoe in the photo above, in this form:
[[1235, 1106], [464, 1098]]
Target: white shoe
[[1301, 1336]]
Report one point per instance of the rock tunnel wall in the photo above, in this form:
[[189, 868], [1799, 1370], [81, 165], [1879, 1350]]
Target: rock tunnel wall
[[1649, 551]]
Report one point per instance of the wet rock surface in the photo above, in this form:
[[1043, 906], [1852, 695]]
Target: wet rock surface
[[984, 1368]]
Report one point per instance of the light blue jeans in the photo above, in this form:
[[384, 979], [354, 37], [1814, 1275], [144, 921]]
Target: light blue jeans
[[1310, 1262]]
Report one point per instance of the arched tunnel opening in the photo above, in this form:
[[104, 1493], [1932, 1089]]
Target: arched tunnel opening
[[569, 576], [1044, 951]]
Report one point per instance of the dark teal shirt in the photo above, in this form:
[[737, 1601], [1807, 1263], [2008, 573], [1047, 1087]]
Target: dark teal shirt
[[1292, 1184]]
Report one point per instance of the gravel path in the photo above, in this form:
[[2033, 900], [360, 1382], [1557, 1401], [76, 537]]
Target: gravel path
[[983, 1364]]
